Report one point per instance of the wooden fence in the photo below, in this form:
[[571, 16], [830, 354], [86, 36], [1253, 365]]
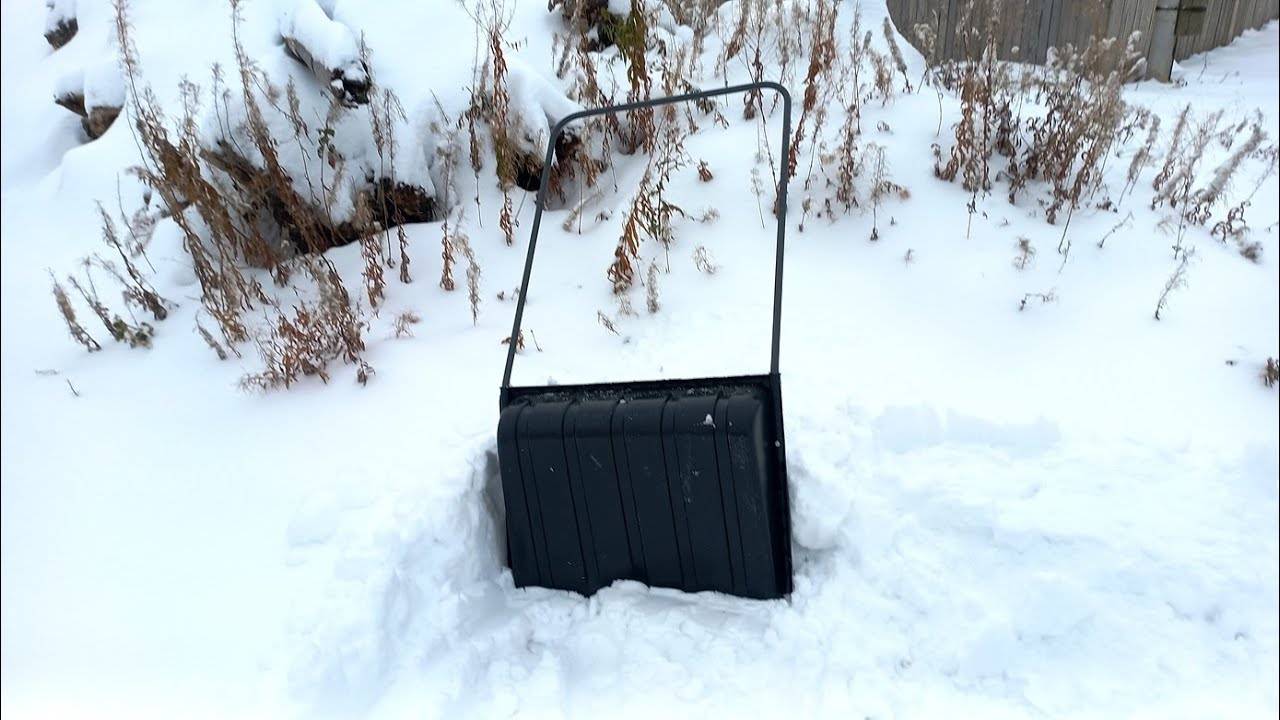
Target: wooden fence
[[1224, 21], [1034, 26]]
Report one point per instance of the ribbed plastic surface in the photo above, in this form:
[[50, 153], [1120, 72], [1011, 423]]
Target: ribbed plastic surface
[[674, 487]]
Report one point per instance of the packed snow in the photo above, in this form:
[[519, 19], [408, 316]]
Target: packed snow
[[1065, 511]]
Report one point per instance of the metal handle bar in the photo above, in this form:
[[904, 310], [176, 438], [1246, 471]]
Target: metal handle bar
[[652, 103]]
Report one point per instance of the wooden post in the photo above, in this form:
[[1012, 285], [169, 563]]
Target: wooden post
[[1163, 31]]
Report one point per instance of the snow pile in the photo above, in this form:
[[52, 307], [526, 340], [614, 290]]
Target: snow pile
[[421, 84], [70, 82], [1069, 510], [103, 86], [59, 13], [331, 43]]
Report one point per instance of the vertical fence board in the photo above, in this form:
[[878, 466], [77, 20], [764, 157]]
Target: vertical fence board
[[1140, 20], [1264, 12], [1219, 35], [1035, 32], [1030, 18], [1047, 23], [1233, 24], [1244, 18], [947, 30], [1065, 23]]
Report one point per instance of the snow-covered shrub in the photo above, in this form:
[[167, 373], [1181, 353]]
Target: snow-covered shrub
[[1177, 280], [68, 312], [846, 157], [1143, 157], [235, 178], [650, 212], [136, 334], [818, 83], [136, 289], [1026, 254], [703, 261], [265, 125], [597, 21], [651, 294], [95, 93], [280, 160], [1202, 201], [463, 244], [1172, 153], [1044, 298], [895, 53], [881, 185], [982, 84], [1085, 113], [1080, 115], [882, 75], [839, 78], [404, 322], [305, 338], [1234, 226], [60, 22], [328, 48], [1176, 190]]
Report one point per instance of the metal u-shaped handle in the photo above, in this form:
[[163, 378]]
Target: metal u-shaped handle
[[651, 103]]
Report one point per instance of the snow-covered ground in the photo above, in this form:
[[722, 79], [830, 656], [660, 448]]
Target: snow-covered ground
[[1065, 511]]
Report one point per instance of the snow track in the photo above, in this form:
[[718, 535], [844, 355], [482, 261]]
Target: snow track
[[937, 577]]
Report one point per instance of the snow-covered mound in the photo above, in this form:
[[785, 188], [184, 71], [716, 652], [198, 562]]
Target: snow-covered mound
[[1066, 510]]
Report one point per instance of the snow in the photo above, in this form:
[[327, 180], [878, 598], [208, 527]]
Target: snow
[[331, 43], [104, 85], [536, 101], [1067, 511], [70, 82], [58, 11]]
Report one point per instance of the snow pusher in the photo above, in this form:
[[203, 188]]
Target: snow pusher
[[674, 483]]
